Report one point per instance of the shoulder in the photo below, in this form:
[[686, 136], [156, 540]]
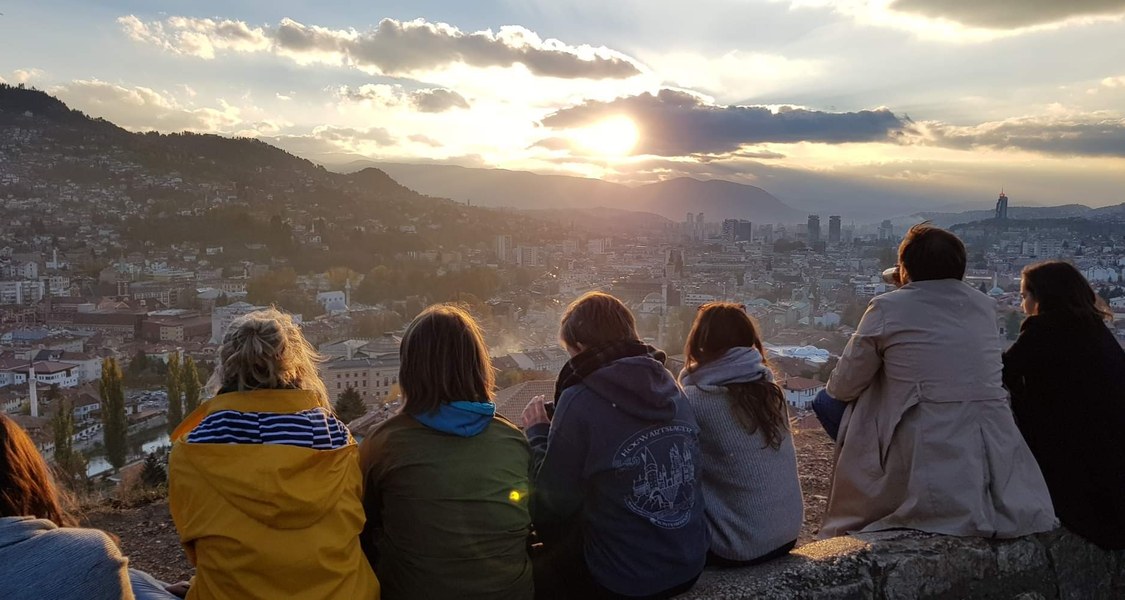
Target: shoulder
[[87, 546]]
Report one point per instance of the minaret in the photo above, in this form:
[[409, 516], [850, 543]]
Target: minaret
[[348, 292], [32, 392]]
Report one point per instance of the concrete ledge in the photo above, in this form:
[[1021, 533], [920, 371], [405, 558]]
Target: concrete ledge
[[901, 564]]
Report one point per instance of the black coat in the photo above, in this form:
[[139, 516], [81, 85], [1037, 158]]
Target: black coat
[[1067, 380]]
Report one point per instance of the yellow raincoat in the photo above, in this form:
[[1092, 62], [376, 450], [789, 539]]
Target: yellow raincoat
[[269, 521]]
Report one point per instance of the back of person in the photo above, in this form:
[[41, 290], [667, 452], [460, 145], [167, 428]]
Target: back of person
[[264, 481], [41, 560], [930, 442], [1066, 374], [749, 467], [618, 468], [448, 514], [446, 481]]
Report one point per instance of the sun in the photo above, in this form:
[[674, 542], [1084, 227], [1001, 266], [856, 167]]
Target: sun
[[615, 136]]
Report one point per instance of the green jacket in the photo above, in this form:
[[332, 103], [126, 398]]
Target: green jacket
[[447, 516]]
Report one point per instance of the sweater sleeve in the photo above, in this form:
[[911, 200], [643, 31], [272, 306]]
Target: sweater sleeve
[[558, 461], [862, 357]]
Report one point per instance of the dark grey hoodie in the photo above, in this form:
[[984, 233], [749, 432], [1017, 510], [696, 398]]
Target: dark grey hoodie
[[622, 453]]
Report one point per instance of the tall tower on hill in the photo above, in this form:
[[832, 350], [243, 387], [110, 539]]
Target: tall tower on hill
[[1002, 207]]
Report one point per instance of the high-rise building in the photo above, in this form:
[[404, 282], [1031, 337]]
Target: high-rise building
[[528, 256], [1002, 207], [503, 248], [886, 230], [745, 231], [730, 229], [834, 229], [814, 229]]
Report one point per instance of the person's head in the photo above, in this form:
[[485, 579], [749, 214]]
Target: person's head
[[758, 405], [266, 350], [444, 359], [1057, 288], [595, 319], [718, 327], [26, 486], [929, 252]]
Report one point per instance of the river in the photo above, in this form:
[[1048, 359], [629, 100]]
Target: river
[[150, 440]]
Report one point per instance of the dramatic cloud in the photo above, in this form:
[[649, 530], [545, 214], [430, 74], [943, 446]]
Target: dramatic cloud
[[425, 140], [391, 96], [393, 48], [142, 108], [1009, 14], [677, 123], [1078, 136]]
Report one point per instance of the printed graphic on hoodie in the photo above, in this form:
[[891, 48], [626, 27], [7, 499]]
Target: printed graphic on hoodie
[[659, 461]]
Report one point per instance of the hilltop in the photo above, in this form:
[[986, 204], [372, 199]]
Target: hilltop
[[65, 172]]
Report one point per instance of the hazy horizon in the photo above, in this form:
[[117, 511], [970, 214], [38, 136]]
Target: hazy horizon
[[876, 106]]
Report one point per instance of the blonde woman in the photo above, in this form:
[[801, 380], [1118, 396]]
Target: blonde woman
[[265, 486]]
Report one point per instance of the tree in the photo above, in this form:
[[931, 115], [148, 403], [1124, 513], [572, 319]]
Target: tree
[[350, 406], [1012, 324], [115, 429], [153, 474], [191, 385], [139, 363], [173, 383], [71, 465]]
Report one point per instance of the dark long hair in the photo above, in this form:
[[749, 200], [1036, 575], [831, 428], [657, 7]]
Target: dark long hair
[[26, 486], [1060, 289], [718, 327]]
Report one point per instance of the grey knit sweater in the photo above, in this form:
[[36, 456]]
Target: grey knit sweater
[[752, 491], [39, 560]]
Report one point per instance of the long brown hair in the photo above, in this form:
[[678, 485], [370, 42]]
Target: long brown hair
[[718, 327], [26, 486], [1060, 289], [444, 359]]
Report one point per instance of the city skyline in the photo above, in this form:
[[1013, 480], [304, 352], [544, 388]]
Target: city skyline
[[932, 102]]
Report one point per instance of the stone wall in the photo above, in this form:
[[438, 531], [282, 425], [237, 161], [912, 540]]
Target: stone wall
[[903, 564]]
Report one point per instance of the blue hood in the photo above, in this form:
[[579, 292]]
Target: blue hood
[[737, 365], [639, 386], [462, 418]]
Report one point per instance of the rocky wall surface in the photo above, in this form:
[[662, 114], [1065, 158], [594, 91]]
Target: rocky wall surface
[[904, 564]]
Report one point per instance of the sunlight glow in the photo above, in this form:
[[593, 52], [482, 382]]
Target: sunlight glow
[[614, 137]]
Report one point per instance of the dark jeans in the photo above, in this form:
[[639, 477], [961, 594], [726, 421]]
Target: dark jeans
[[560, 571], [714, 560], [829, 411]]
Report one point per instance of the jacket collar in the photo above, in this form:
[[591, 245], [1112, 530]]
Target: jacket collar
[[267, 401]]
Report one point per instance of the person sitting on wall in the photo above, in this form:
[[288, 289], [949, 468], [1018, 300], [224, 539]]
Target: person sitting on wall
[[1066, 374], [616, 482], [927, 440], [750, 483], [446, 480]]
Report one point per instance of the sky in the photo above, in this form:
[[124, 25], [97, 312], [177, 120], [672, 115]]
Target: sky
[[934, 103]]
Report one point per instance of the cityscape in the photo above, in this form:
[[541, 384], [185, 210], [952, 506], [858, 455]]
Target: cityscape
[[109, 250], [166, 171]]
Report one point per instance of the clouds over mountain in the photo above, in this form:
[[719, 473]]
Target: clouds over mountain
[[1085, 135], [430, 100], [678, 123], [1006, 14], [142, 108], [394, 48]]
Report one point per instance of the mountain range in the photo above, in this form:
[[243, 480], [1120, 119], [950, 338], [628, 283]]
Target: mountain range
[[671, 199]]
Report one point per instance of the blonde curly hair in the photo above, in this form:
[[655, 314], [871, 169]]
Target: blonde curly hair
[[266, 350]]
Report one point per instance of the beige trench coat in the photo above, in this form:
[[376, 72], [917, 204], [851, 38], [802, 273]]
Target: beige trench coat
[[928, 441]]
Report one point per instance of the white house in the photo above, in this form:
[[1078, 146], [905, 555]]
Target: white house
[[333, 302], [800, 391]]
